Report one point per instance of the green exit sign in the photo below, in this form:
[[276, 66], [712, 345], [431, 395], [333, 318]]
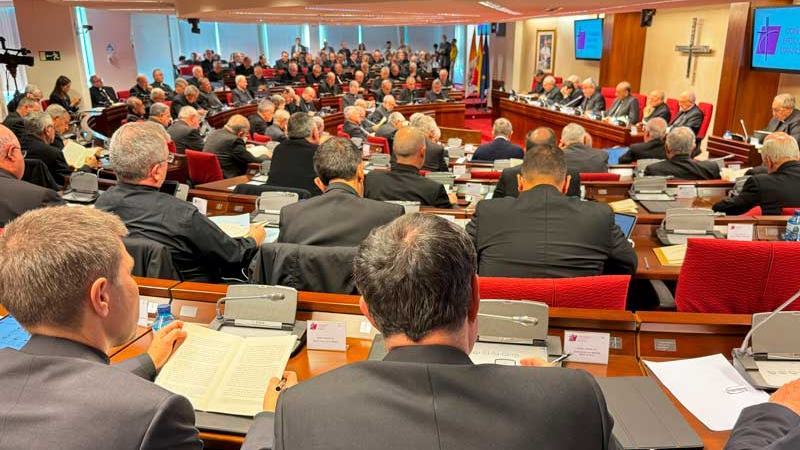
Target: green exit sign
[[50, 55]]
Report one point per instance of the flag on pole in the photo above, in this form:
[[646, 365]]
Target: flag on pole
[[485, 81], [475, 76], [473, 59]]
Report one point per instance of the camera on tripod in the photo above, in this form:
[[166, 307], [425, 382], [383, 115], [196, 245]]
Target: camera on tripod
[[13, 57]]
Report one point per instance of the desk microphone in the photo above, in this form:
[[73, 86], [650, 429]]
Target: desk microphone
[[743, 348], [573, 101], [744, 128]]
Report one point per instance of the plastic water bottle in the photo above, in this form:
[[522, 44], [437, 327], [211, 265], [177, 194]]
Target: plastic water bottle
[[727, 136], [793, 227], [163, 317]]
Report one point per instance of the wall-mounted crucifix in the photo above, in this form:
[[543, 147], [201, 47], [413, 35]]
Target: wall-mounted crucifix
[[692, 50]]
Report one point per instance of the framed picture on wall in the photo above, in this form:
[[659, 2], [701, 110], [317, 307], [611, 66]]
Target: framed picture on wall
[[545, 52]]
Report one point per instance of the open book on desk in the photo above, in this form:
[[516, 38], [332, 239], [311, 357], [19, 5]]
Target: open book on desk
[[220, 372]]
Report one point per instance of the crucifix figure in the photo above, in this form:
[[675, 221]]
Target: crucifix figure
[[692, 49]]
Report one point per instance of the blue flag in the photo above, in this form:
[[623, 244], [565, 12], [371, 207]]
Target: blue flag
[[485, 82]]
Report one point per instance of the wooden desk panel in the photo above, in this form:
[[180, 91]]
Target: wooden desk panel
[[689, 335], [740, 151], [620, 324]]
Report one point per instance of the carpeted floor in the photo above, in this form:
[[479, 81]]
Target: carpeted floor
[[481, 123]]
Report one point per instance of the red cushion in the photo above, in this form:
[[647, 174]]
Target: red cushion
[[186, 70], [261, 138], [342, 134], [485, 174], [123, 95], [756, 211], [609, 95], [601, 292], [672, 104], [171, 147], [642, 99], [203, 167], [379, 141], [299, 90], [708, 110], [599, 176]]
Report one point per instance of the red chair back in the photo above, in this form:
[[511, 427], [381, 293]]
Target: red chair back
[[261, 138], [756, 211], [559, 81], [600, 292], [269, 73], [340, 127], [168, 103], [609, 95], [672, 105], [186, 71], [299, 90], [123, 95], [736, 277], [203, 167], [642, 99], [485, 174], [171, 147], [45, 104], [377, 140], [342, 134], [708, 110], [229, 98], [599, 176]]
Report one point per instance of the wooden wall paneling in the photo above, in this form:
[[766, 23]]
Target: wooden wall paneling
[[623, 50]]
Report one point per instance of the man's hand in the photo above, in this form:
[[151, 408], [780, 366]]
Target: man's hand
[[789, 396], [165, 342], [453, 197], [275, 388], [535, 362], [257, 232]]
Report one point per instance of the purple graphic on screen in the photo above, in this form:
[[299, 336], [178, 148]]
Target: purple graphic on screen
[[768, 40], [581, 44]]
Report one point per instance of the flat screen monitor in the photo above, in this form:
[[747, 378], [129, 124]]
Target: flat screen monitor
[[776, 39], [589, 39], [625, 222]]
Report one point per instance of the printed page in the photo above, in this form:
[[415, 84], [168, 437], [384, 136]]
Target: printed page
[[198, 366], [76, 154], [241, 391]]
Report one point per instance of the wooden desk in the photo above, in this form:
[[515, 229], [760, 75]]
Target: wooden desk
[[739, 151], [674, 335], [109, 120], [619, 190]]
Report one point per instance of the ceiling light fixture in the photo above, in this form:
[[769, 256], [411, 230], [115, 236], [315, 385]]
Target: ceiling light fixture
[[499, 8]]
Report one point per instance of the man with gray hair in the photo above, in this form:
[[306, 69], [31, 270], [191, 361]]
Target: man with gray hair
[[689, 114], [328, 85], [501, 147], [593, 101], [404, 182], [680, 144], [31, 91], [189, 98], [581, 157], [435, 155], [185, 131], [280, 122], [382, 112], [785, 116], [159, 113], [293, 159], [262, 119], [199, 249], [241, 95], [419, 288], [340, 175], [655, 131], [157, 95], [78, 301], [349, 99], [436, 94], [656, 107], [38, 143], [352, 124], [208, 98], [61, 120], [15, 120], [775, 190], [101, 95], [136, 109], [306, 102], [387, 131], [551, 94], [228, 143], [141, 89], [625, 105]]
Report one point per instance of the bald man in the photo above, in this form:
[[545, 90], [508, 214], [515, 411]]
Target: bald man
[[18, 196], [689, 115], [656, 107], [625, 105], [306, 103], [142, 90], [228, 143]]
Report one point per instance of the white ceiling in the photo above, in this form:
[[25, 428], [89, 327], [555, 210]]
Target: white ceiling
[[377, 12]]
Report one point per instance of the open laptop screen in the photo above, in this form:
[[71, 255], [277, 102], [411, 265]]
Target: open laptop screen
[[625, 223]]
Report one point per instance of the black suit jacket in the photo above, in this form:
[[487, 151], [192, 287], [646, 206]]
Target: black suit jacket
[[435, 157], [584, 159], [434, 97], [51, 156], [231, 152], [20, 196], [433, 397], [662, 111], [64, 102], [404, 182], [287, 78], [683, 167], [354, 130], [16, 124], [306, 107], [209, 101], [507, 185], [544, 234], [348, 99], [387, 131], [275, 133], [379, 113], [324, 88], [692, 118], [554, 96], [765, 426], [257, 124], [626, 107], [499, 148], [354, 217], [293, 165], [241, 97], [572, 100], [179, 102], [185, 137], [595, 103], [789, 126], [770, 191], [652, 149], [102, 97]]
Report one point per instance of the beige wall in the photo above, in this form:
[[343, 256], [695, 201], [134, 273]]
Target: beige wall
[[49, 26], [790, 84], [505, 51], [113, 28]]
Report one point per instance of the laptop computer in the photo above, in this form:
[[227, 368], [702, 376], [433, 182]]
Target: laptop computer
[[625, 222]]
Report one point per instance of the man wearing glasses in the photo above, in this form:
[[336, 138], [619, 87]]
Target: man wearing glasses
[[785, 116], [18, 196]]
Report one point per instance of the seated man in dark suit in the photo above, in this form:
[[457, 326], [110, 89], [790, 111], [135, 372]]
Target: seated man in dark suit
[[406, 95], [292, 75], [37, 143], [229, 146], [444, 78], [572, 97], [197, 73], [158, 83], [306, 102], [208, 99], [329, 86], [537, 84], [679, 145], [417, 278], [389, 129], [15, 121], [436, 94], [774, 425], [352, 124], [185, 132], [404, 182], [383, 76], [435, 155], [656, 107], [578, 151], [262, 119], [280, 121], [508, 184], [88, 305], [772, 191], [159, 113], [382, 112], [689, 115], [31, 91], [551, 94], [141, 89], [349, 99], [785, 116], [593, 101], [101, 95], [136, 109], [501, 147], [241, 95], [340, 175], [293, 160], [655, 131], [625, 106], [189, 98], [544, 234], [314, 75], [257, 83], [18, 196], [199, 249], [283, 62]]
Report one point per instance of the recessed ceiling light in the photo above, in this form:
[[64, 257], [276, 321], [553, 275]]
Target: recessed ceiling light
[[499, 8]]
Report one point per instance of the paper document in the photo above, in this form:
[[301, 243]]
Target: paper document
[[234, 226], [259, 151], [672, 255], [778, 373], [626, 205], [505, 354], [514, 162], [730, 174], [641, 196], [12, 335], [220, 372], [709, 387], [76, 154]]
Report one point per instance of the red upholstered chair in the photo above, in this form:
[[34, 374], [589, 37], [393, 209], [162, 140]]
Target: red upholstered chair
[[299, 90], [609, 94], [708, 110], [45, 104], [672, 105], [203, 167], [599, 176], [229, 98], [261, 138], [269, 73], [168, 103], [756, 211], [642, 99], [424, 172], [342, 134], [559, 81], [186, 71], [171, 147], [600, 292], [485, 174], [377, 140], [735, 277], [123, 95]]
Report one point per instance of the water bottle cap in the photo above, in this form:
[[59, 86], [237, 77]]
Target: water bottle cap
[[164, 309]]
